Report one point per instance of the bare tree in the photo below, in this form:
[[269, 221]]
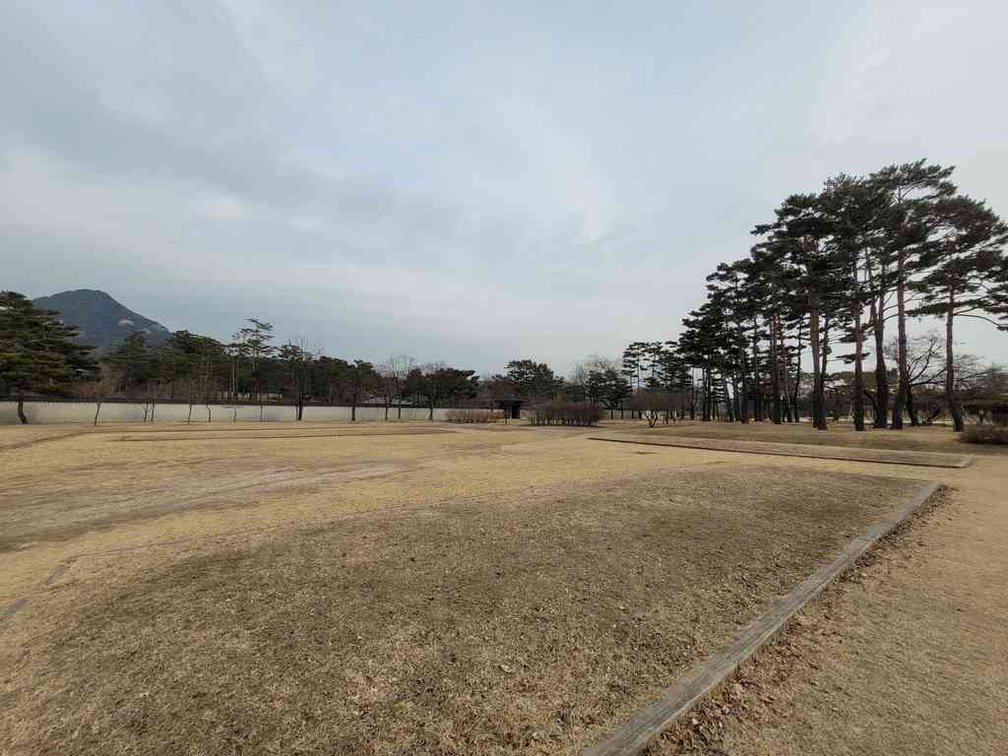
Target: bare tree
[[654, 405], [97, 390], [923, 365], [393, 374]]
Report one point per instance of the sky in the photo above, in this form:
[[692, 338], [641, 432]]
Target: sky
[[467, 182]]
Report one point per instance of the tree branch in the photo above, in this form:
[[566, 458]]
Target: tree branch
[[981, 317]]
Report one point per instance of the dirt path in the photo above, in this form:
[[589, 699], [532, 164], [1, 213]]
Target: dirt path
[[908, 657]]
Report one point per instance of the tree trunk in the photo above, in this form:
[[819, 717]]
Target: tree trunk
[[881, 419], [782, 384], [901, 340], [97, 412], [955, 409], [797, 379], [859, 424], [353, 409], [736, 408], [757, 393], [399, 409], [430, 414], [775, 370], [708, 396], [858, 398], [20, 410], [823, 371], [818, 398], [744, 403], [824, 345]]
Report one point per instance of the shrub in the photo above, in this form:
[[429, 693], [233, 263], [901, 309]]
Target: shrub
[[653, 406], [565, 413], [986, 434], [473, 415]]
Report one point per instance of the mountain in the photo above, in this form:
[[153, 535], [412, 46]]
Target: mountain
[[102, 321]]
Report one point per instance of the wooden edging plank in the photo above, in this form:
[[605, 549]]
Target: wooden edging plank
[[636, 733], [773, 448]]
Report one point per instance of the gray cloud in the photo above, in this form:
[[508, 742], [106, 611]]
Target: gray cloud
[[459, 183]]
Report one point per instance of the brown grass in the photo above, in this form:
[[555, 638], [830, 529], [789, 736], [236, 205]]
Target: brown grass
[[817, 451], [483, 593], [986, 434], [21, 436], [924, 439], [903, 657]]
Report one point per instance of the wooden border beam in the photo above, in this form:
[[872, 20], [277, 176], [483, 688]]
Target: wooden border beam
[[643, 727]]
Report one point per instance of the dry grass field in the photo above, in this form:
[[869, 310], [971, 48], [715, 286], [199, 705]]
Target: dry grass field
[[924, 439], [383, 589]]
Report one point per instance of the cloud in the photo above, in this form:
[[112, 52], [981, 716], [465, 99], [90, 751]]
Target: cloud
[[458, 183]]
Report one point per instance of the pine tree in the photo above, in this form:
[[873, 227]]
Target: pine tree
[[37, 351], [799, 232], [851, 206], [908, 219], [965, 266]]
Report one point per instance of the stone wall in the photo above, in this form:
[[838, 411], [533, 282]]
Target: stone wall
[[46, 413]]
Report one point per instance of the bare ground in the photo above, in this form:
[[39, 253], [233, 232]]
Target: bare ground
[[481, 593]]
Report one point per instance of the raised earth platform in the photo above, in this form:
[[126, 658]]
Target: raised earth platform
[[885, 456]]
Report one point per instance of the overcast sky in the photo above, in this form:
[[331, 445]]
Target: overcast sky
[[461, 181]]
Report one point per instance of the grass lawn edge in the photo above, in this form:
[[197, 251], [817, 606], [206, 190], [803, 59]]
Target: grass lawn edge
[[813, 452], [635, 734]]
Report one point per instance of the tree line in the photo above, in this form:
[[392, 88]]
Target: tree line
[[832, 274], [253, 369], [39, 354]]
